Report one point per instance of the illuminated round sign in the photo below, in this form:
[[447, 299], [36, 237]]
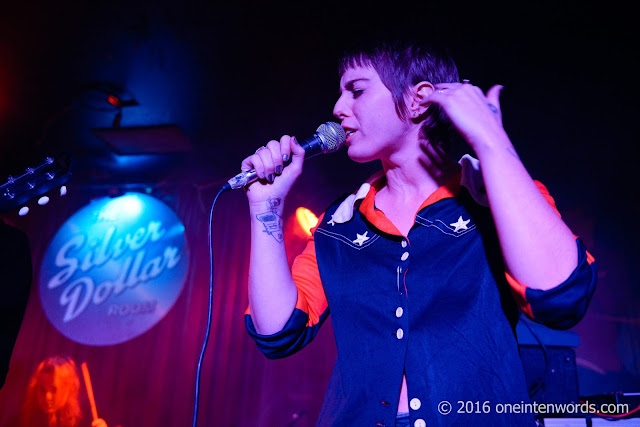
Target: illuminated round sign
[[114, 269]]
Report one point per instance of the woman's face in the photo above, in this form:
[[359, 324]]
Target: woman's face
[[52, 393], [368, 115]]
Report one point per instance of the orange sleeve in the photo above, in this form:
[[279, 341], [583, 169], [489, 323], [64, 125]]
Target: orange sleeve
[[311, 297]]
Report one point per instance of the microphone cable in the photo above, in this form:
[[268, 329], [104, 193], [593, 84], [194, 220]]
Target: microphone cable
[[209, 314]]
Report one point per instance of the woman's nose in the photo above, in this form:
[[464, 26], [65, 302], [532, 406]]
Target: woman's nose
[[340, 108]]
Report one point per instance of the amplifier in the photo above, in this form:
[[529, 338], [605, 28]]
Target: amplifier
[[552, 378]]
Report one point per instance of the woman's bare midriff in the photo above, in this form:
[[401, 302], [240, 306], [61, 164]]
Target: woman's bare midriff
[[403, 403]]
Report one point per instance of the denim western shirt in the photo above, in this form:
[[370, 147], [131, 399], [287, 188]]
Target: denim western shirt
[[435, 305]]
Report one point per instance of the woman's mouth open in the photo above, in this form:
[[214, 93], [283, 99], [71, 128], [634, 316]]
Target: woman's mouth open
[[349, 133]]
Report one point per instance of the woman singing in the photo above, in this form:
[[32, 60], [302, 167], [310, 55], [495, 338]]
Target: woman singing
[[424, 267]]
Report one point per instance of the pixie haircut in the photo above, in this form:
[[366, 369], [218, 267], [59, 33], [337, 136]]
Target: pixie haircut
[[401, 65]]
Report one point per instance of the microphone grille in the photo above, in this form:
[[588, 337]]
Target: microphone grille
[[333, 135]]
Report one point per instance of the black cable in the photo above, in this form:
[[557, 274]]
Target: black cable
[[540, 383], [209, 315]]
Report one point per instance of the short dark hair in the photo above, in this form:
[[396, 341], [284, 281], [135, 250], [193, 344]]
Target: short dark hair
[[401, 65]]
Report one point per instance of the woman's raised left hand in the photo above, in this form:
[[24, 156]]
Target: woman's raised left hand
[[476, 115]]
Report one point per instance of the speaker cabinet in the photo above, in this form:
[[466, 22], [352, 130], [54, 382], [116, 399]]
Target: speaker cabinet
[[550, 379]]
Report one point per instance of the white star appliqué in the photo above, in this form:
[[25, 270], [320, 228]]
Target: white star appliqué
[[361, 238], [460, 225]]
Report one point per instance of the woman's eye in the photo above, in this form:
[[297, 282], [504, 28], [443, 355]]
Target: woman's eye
[[357, 92]]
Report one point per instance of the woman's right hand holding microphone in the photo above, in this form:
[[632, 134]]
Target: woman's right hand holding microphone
[[274, 179]]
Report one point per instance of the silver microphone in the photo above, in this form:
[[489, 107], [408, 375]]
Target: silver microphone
[[328, 138]]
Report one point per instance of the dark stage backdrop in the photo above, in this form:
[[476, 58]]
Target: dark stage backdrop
[[150, 380]]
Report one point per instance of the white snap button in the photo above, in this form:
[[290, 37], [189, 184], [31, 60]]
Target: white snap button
[[404, 243], [399, 312], [404, 256], [399, 333], [415, 403], [420, 423]]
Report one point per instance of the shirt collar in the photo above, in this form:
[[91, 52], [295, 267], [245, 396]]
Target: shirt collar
[[470, 177], [379, 219]]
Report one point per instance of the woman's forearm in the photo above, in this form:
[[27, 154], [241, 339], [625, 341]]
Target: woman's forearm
[[272, 291]]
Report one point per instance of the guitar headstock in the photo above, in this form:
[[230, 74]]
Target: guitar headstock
[[35, 181]]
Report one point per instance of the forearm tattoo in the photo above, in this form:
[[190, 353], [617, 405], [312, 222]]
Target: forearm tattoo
[[272, 221]]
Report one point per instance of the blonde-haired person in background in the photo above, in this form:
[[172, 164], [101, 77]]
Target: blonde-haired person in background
[[53, 396]]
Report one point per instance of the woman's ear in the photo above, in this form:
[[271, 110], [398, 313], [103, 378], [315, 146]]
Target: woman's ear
[[419, 101]]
